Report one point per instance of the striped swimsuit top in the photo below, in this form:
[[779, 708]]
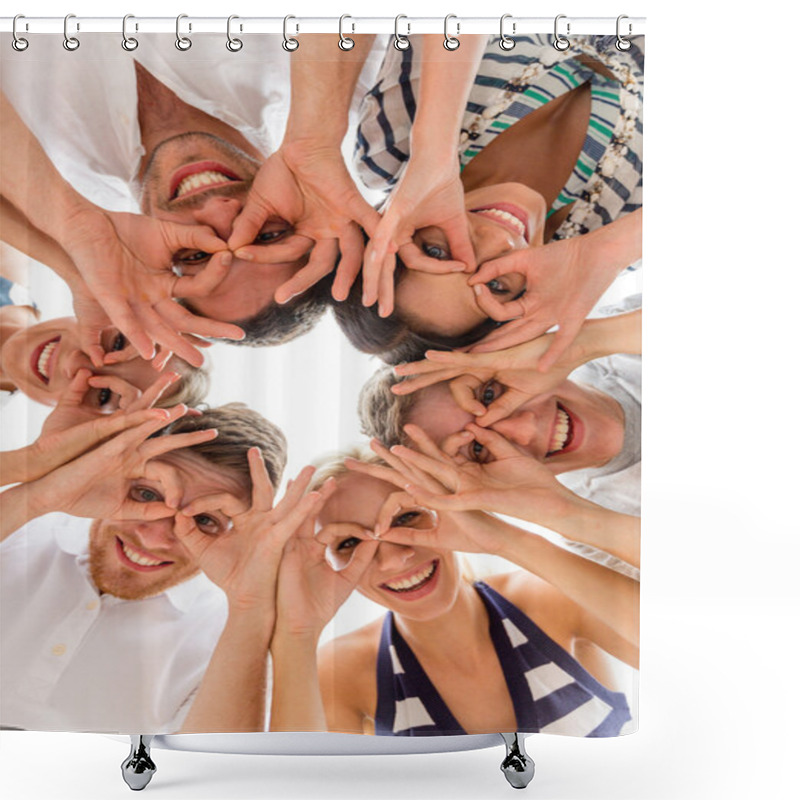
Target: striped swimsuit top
[[607, 177], [551, 692]]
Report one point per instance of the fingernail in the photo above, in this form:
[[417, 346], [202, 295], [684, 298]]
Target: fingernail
[[477, 288], [227, 258], [244, 255]]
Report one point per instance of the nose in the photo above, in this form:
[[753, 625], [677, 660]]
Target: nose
[[218, 213], [73, 360], [489, 240], [156, 535], [392, 557], [519, 428]]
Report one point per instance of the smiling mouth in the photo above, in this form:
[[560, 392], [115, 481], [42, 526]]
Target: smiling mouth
[[511, 217], [136, 559], [413, 582], [198, 177], [563, 431], [42, 359]]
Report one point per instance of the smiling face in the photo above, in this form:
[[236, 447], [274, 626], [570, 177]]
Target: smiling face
[[42, 359], [416, 582], [574, 427], [135, 559], [502, 218], [198, 178]]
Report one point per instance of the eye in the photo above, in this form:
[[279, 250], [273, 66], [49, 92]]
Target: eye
[[144, 494], [496, 287], [489, 392], [209, 525], [478, 453], [348, 544], [190, 258], [119, 343], [406, 519], [269, 237], [435, 251]]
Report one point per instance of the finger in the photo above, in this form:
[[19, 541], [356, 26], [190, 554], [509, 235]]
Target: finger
[[370, 275], [506, 404], [414, 258], [386, 287], [128, 353], [166, 444], [396, 463], [378, 471], [352, 247], [166, 334], [452, 444], [263, 492], [128, 393], [294, 492], [187, 322], [496, 443], [89, 340], [441, 470], [168, 479], [154, 392], [177, 235], [229, 504], [76, 389], [127, 322], [293, 521], [515, 262], [511, 334], [321, 261], [437, 501], [207, 279], [360, 561], [132, 509], [413, 537], [289, 249], [424, 443], [463, 390], [564, 337], [492, 307], [247, 225], [163, 356], [458, 237], [190, 536]]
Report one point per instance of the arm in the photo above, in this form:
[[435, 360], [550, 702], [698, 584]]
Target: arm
[[306, 180], [429, 193]]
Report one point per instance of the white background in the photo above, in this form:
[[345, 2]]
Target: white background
[[721, 607]]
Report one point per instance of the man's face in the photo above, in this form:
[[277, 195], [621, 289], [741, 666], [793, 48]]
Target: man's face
[[573, 427], [135, 559], [200, 179]]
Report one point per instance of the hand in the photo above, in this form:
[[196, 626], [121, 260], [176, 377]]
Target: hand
[[97, 484], [427, 195], [126, 263], [243, 560], [310, 590], [562, 287], [66, 436], [309, 187], [469, 374]]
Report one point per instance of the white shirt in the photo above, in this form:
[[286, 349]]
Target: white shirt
[[82, 105], [74, 660]]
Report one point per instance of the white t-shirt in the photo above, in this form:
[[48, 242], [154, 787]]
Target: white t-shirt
[[74, 660]]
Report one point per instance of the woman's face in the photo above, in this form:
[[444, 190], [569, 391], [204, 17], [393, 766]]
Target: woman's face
[[42, 359], [413, 581], [502, 218]]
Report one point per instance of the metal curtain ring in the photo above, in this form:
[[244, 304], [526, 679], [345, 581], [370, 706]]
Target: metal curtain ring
[[622, 43], [18, 43], [401, 42], [451, 42], [345, 42], [233, 44], [560, 42], [182, 42], [70, 42], [129, 43], [506, 42], [289, 44]]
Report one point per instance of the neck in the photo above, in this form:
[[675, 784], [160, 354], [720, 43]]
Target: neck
[[162, 115], [454, 633]]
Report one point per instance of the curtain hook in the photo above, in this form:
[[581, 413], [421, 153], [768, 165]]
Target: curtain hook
[[233, 44], [345, 42], [451, 42], [289, 44], [561, 43], [401, 42], [70, 43], [622, 43], [506, 42], [182, 42], [18, 43], [129, 43]]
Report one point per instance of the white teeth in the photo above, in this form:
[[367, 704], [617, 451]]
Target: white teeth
[[561, 432], [44, 358], [505, 216], [414, 581], [138, 559], [200, 179]]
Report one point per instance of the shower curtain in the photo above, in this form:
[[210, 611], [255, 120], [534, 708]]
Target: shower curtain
[[401, 284]]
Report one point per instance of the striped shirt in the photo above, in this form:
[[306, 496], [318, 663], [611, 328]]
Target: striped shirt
[[606, 181], [550, 690]]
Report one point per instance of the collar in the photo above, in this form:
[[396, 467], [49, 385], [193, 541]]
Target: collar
[[72, 536]]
